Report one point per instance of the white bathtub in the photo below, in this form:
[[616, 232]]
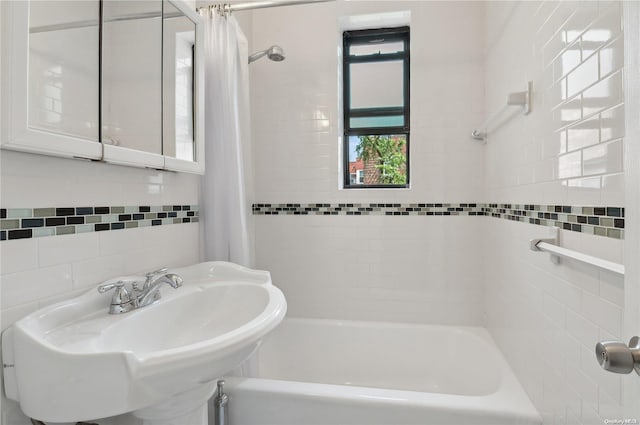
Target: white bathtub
[[325, 372]]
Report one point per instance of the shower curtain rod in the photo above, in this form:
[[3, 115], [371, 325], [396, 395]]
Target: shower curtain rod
[[230, 7]]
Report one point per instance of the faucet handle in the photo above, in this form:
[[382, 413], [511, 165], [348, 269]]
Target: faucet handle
[[109, 286], [120, 296], [156, 272]]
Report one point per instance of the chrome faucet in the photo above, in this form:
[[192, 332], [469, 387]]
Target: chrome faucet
[[125, 300], [121, 301], [151, 289]]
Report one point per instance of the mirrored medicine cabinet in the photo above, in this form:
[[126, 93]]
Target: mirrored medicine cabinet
[[112, 80]]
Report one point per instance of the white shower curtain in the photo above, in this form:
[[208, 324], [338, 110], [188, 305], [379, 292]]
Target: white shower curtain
[[226, 185]]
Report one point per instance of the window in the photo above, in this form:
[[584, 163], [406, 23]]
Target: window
[[376, 108]]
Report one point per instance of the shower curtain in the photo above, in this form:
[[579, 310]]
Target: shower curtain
[[226, 185]]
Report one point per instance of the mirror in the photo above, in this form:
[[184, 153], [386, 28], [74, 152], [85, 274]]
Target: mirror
[[178, 54], [63, 72], [78, 73], [132, 75]]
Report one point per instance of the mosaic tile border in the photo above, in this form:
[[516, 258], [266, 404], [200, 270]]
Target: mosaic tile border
[[599, 221], [23, 223], [607, 221]]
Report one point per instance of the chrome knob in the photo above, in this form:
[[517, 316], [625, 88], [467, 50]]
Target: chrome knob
[[618, 357]]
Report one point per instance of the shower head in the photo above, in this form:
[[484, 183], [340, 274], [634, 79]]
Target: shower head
[[274, 53]]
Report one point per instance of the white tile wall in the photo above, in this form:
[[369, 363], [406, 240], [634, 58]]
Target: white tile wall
[[39, 271], [547, 318], [376, 268], [409, 269], [295, 103]]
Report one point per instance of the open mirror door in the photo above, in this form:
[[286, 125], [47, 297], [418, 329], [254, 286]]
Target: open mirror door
[[50, 78], [132, 82], [182, 77]]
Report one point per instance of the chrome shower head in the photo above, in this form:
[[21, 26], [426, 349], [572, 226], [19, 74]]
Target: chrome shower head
[[274, 53]]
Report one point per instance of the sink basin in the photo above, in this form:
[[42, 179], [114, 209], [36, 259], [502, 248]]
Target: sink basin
[[73, 361]]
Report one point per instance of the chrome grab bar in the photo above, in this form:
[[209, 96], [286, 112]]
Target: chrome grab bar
[[550, 245]]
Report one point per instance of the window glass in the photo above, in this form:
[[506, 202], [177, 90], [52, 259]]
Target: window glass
[[377, 121], [376, 108], [378, 159], [372, 48], [376, 84]]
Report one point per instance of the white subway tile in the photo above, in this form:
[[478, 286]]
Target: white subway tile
[[18, 255], [113, 243], [590, 414], [612, 124], [553, 192], [611, 57], [555, 94], [584, 191], [54, 299], [606, 336], [585, 133], [553, 47], [568, 113], [582, 384], [573, 416], [583, 76], [20, 190], [67, 248], [603, 159], [550, 31], [33, 285], [612, 288], [613, 189], [545, 170], [609, 408], [554, 310], [585, 13], [581, 328], [569, 59], [607, 248], [604, 313], [92, 272], [604, 29], [584, 276], [554, 144], [605, 94], [570, 165]]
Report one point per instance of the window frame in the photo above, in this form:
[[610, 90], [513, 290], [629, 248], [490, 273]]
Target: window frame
[[358, 37]]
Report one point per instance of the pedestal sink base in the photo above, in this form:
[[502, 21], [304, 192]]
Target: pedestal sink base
[[188, 408]]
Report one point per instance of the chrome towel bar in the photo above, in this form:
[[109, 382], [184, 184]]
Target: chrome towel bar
[[521, 98], [550, 246]]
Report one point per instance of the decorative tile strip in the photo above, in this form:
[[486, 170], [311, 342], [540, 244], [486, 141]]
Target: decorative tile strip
[[601, 220], [21, 223], [367, 209]]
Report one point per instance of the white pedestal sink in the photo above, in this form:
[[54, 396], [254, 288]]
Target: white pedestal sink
[[73, 361]]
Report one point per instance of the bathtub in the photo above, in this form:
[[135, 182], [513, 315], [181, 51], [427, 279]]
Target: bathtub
[[326, 372]]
